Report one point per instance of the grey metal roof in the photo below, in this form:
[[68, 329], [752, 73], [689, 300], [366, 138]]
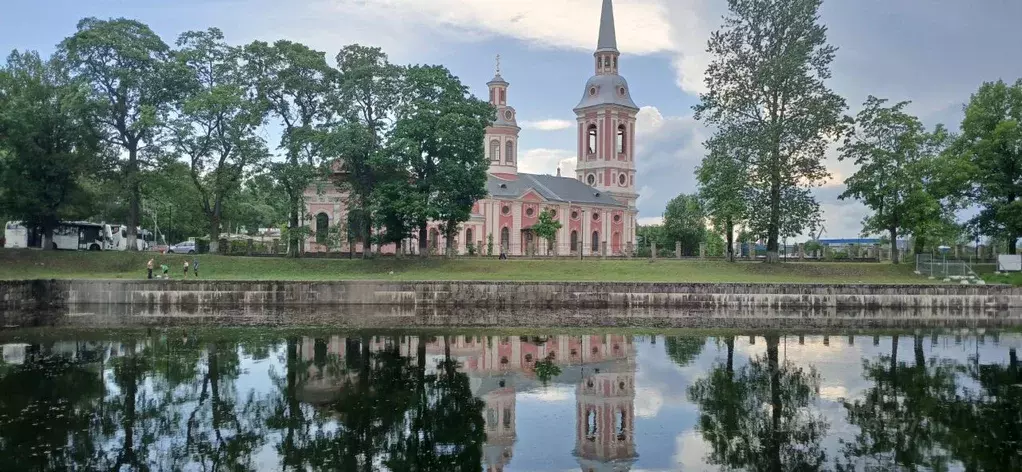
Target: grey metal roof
[[608, 38], [608, 92], [557, 189], [501, 118]]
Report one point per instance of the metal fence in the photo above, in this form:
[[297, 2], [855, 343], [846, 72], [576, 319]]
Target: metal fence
[[940, 267]]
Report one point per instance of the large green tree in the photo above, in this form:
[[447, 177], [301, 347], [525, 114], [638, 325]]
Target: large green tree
[[132, 84], [438, 137], [49, 140], [991, 157], [546, 227], [685, 222], [299, 87], [722, 190], [216, 122], [770, 105], [369, 90], [895, 155]]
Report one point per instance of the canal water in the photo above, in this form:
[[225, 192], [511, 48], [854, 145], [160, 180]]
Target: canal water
[[266, 399]]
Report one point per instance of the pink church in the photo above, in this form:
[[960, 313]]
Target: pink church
[[596, 208]]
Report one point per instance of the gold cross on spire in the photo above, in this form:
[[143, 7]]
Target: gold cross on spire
[[498, 64]]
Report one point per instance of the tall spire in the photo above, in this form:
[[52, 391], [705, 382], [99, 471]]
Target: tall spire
[[608, 37]]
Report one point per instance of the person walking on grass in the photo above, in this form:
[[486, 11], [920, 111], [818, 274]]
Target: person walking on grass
[[195, 267], [149, 268], [166, 269], [186, 269]]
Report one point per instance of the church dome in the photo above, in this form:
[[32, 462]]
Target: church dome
[[606, 89]]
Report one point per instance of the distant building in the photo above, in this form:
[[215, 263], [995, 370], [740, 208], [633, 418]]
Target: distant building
[[596, 208], [839, 244]]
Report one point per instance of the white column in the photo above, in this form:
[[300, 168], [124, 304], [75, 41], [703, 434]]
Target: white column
[[516, 229]]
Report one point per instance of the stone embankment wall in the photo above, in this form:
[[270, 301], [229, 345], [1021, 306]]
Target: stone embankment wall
[[185, 294]]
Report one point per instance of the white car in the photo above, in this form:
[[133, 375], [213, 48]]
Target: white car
[[187, 247]]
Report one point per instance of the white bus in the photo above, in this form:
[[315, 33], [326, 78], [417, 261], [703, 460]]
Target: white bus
[[73, 235]]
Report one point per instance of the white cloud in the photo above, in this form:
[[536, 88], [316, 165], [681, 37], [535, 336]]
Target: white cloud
[[546, 161], [648, 402], [651, 220], [548, 125]]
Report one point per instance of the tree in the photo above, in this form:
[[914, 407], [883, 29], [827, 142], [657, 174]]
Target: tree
[[132, 84], [50, 140], [722, 190], [683, 349], [768, 100], [684, 221], [216, 122], [297, 83], [546, 227], [894, 155], [758, 417], [438, 138], [991, 155], [369, 91]]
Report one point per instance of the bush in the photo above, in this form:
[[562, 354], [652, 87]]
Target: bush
[[471, 248]]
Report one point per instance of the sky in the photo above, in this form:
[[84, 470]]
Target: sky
[[935, 53]]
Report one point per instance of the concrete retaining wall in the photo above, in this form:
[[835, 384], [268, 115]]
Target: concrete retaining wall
[[200, 294]]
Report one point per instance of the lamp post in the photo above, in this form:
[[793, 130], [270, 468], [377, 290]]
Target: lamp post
[[582, 237]]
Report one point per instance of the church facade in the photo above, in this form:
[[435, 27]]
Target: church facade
[[596, 207]]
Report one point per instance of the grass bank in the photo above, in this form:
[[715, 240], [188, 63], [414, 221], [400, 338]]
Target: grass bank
[[32, 264]]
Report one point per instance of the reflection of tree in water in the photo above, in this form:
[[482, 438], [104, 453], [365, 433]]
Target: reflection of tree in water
[[759, 417], [220, 433], [986, 422], [683, 349], [46, 412], [896, 416]]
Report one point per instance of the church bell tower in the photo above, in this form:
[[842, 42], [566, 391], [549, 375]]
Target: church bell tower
[[606, 124], [502, 135]]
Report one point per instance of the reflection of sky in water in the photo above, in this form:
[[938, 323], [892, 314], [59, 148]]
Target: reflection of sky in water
[[666, 434]]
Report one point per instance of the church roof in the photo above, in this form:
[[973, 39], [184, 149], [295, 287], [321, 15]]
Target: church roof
[[552, 188], [608, 89], [608, 38]]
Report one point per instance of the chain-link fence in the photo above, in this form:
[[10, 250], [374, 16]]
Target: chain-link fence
[[940, 267]]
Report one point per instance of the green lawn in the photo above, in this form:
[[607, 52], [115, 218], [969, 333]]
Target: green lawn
[[32, 264]]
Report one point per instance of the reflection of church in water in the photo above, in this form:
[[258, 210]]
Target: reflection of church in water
[[601, 369]]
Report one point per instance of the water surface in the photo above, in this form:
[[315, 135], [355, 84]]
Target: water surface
[[262, 399]]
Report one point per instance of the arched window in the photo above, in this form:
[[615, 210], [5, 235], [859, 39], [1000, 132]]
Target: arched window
[[596, 242], [591, 423], [591, 138], [322, 227], [621, 425], [507, 418], [505, 238], [503, 97], [621, 139], [510, 152], [468, 238], [574, 241], [495, 150], [493, 95]]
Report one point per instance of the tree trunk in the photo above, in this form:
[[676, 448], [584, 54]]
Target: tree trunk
[[367, 231], [450, 242], [293, 245], [134, 198], [894, 246], [775, 403], [47, 243], [917, 344], [423, 242], [1013, 244], [774, 226], [730, 240], [214, 227], [730, 342]]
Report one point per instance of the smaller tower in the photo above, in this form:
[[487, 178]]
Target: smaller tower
[[501, 143]]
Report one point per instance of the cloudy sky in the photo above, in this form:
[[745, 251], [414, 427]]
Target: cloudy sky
[[933, 52]]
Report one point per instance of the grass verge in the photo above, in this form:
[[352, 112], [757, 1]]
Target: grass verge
[[33, 264]]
